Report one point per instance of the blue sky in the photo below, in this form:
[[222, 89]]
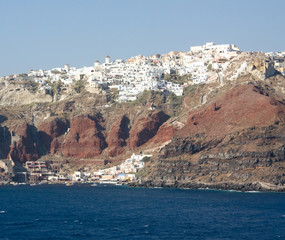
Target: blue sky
[[43, 34]]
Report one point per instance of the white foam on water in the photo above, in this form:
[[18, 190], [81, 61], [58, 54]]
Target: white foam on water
[[2, 212]]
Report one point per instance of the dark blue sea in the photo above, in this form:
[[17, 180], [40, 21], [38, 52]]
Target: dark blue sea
[[113, 212]]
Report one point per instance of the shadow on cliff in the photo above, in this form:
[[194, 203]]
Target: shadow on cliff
[[5, 141]]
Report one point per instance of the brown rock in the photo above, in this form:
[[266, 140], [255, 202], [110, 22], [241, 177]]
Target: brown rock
[[85, 138], [164, 133], [24, 143], [146, 127], [118, 136], [242, 107], [50, 129], [56, 144]]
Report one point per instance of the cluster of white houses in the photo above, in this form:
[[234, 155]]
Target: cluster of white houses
[[134, 75], [41, 171], [125, 172]]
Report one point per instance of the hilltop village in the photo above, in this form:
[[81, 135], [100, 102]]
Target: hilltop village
[[202, 64], [133, 76]]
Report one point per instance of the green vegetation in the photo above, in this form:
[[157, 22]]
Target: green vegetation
[[146, 159], [150, 96], [175, 102], [175, 78], [174, 99], [55, 89], [79, 86], [144, 172], [23, 75], [33, 86], [112, 95], [189, 90]]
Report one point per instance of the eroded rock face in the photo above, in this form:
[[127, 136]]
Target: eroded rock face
[[118, 136], [146, 127], [5, 141], [238, 140], [25, 144], [242, 107], [85, 138], [243, 160], [51, 129], [165, 133]]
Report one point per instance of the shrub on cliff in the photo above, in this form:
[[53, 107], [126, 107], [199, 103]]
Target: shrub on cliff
[[79, 86], [146, 159], [55, 89], [175, 78], [150, 96], [33, 87]]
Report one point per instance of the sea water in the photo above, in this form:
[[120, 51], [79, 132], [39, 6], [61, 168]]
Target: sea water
[[113, 212]]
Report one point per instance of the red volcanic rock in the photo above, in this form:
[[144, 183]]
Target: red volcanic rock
[[24, 143], [50, 129], [118, 135], [145, 128], [242, 107], [85, 139], [164, 133], [56, 144]]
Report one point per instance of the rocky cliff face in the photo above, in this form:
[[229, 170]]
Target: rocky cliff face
[[118, 136], [228, 134], [50, 130], [242, 107], [249, 160], [146, 128], [5, 140], [25, 143], [236, 142], [85, 138]]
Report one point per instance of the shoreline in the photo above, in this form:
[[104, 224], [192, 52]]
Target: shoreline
[[256, 187], [226, 186]]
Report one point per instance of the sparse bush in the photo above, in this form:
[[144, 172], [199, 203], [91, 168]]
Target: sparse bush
[[146, 159], [55, 89], [33, 87], [175, 78], [79, 86], [190, 89], [150, 96]]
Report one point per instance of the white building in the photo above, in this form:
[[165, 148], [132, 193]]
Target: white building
[[211, 46], [78, 176]]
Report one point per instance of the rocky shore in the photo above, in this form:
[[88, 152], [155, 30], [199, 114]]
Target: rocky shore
[[227, 186]]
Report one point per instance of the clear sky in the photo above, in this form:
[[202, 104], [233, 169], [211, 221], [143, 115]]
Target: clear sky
[[43, 34]]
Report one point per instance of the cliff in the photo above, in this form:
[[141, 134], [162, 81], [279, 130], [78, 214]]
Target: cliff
[[227, 134], [25, 144], [234, 142], [146, 128]]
